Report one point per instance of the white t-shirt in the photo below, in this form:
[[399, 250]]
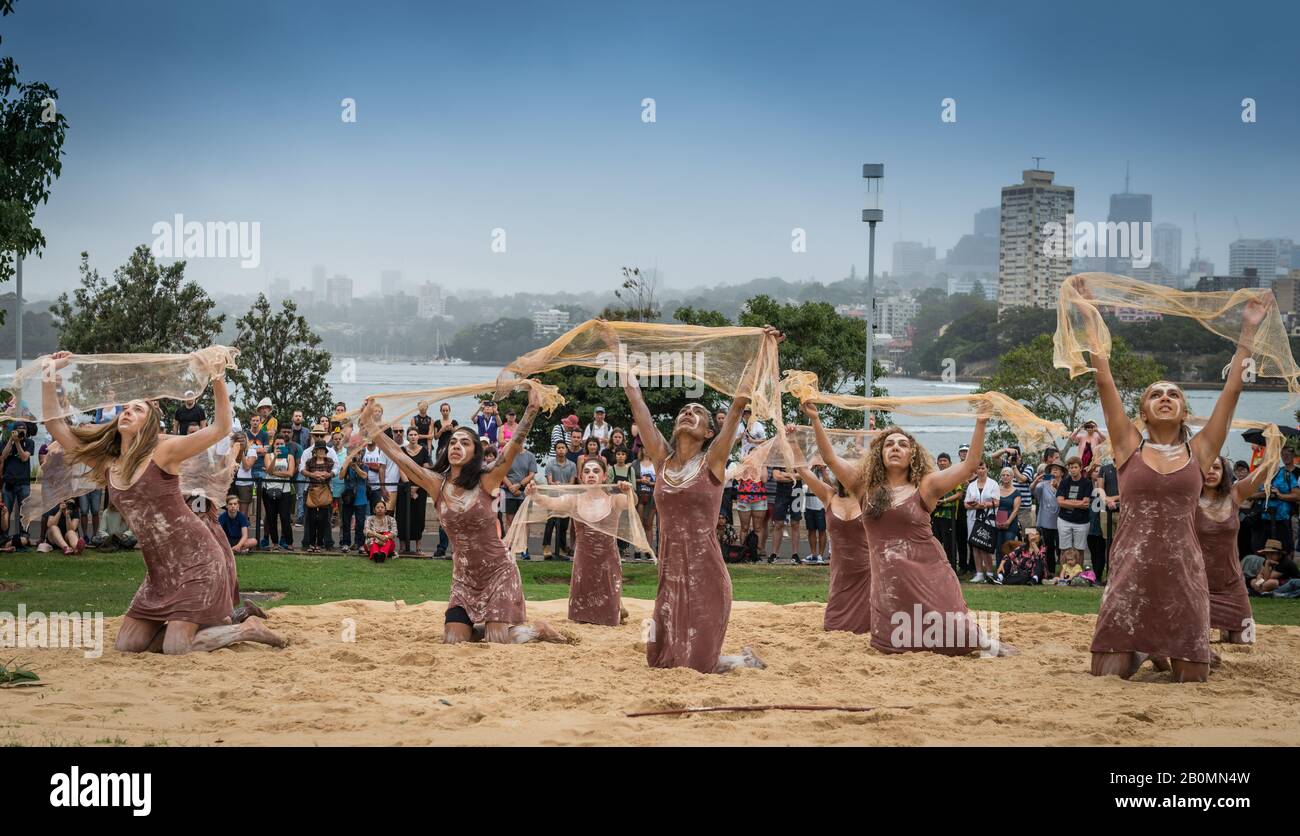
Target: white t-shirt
[[811, 501], [991, 491], [601, 433], [392, 474], [374, 456], [755, 435]]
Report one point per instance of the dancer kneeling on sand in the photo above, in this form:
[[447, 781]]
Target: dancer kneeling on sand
[[916, 599], [595, 590], [1217, 526], [487, 596], [693, 603], [185, 601], [848, 603], [1156, 603]]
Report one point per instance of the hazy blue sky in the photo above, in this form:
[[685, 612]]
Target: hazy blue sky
[[527, 116]]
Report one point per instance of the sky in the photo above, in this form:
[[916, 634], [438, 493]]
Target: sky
[[527, 117]]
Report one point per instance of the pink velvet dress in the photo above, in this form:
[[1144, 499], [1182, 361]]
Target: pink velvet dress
[[190, 570], [848, 604], [484, 578], [694, 599], [1156, 599]]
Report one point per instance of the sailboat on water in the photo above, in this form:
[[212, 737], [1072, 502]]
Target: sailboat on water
[[440, 353]]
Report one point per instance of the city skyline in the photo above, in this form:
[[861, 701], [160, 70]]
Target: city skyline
[[531, 121]]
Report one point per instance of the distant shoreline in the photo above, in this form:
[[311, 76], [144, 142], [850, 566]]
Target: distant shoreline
[[1186, 384]]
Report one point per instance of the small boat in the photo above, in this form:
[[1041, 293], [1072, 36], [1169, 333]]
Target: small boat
[[441, 358]]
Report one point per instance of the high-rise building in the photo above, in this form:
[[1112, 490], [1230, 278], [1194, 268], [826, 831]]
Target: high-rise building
[[988, 222], [390, 282], [1155, 273], [894, 314], [1287, 291], [1029, 274], [432, 303], [338, 291], [986, 283], [1167, 242], [1129, 208], [1214, 284], [1271, 257], [318, 284], [550, 322], [912, 258]]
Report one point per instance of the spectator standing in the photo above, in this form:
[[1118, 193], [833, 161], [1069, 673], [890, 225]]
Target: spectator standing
[[354, 503], [750, 433], [645, 495], [1073, 498], [598, 429], [814, 515], [943, 520], [1279, 507], [1048, 512], [423, 423], [1089, 439], [411, 498], [509, 426], [563, 430], [487, 422], [1023, 478], [561, 471], [523, 470], [16, 467], [316, 474], [277, 506], [781, 487], [269, 423], [617, 439], [982, 496], [189, 414]]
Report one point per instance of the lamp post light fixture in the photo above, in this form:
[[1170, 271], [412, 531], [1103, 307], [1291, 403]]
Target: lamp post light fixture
[[873, 173]]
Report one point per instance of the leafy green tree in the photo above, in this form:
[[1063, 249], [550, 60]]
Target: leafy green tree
[[31, 142], [279, 359], [1026, 374], [500, 341]]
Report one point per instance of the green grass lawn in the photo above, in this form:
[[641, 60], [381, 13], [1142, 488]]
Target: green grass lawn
[[106, 582]]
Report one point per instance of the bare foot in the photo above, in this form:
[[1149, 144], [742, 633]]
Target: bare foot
[[1005, 649], [749, 658], [246, 610], [622, 615], [547, 633], [1161, 663], [255, 630], [1215, 659]]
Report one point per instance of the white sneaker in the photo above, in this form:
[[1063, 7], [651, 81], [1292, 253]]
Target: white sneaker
[[979, 578]]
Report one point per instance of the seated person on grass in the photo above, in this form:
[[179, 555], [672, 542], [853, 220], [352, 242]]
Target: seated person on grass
[[59, 529], [1278, 570]]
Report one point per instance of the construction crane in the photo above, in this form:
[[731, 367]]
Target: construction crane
[[1196, 230]]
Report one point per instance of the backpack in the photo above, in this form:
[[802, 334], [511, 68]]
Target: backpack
[[749, 552]]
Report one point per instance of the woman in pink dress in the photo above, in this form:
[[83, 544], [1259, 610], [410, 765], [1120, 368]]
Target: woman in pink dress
[[915, 596], [693, 603], [185, 602], [487, 596], [1157, 604], [848, 601], [596, 588], [1217, 526]]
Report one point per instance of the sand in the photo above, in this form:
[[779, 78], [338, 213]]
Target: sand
[[397, 684]]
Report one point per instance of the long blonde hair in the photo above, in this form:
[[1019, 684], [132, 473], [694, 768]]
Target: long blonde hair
[[873, 483], [100, 445]]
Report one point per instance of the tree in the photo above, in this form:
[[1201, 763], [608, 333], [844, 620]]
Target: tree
[[31, 142], [639, 293], [496, 342], [1026, 374], [146, 308], [278, 359]]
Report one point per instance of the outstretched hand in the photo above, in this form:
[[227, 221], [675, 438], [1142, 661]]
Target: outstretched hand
[[368, 420]]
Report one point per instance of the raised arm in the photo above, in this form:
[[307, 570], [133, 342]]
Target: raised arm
[[1207, 443], [1246, 487], [845, 472], [58, 428], [173, 450], [941, 482], [719, 450], [368, 420], [492, 479]]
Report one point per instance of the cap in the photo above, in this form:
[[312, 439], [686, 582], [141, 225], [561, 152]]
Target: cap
[[964, 447], [264, 402], [600, 409]]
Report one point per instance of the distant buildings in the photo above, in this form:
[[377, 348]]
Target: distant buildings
[[432, 304], [1211, 284], [894, 314], [1270, 257], [390, 282], [318, 284], [278, 289], [969, 282], [1027, 276], [1167, 244], [1287, 291], [1129, 208], [1155, 273], [912, 258], [338, 291], [550, 322]]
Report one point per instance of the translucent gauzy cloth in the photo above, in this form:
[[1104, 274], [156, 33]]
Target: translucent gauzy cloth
[[1079, 326], [93, 381], [849, 445], [605, 508], [732, 360], [398, 406], [1033, 432]]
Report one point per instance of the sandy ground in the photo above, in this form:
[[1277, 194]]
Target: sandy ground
[[397, 684]]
